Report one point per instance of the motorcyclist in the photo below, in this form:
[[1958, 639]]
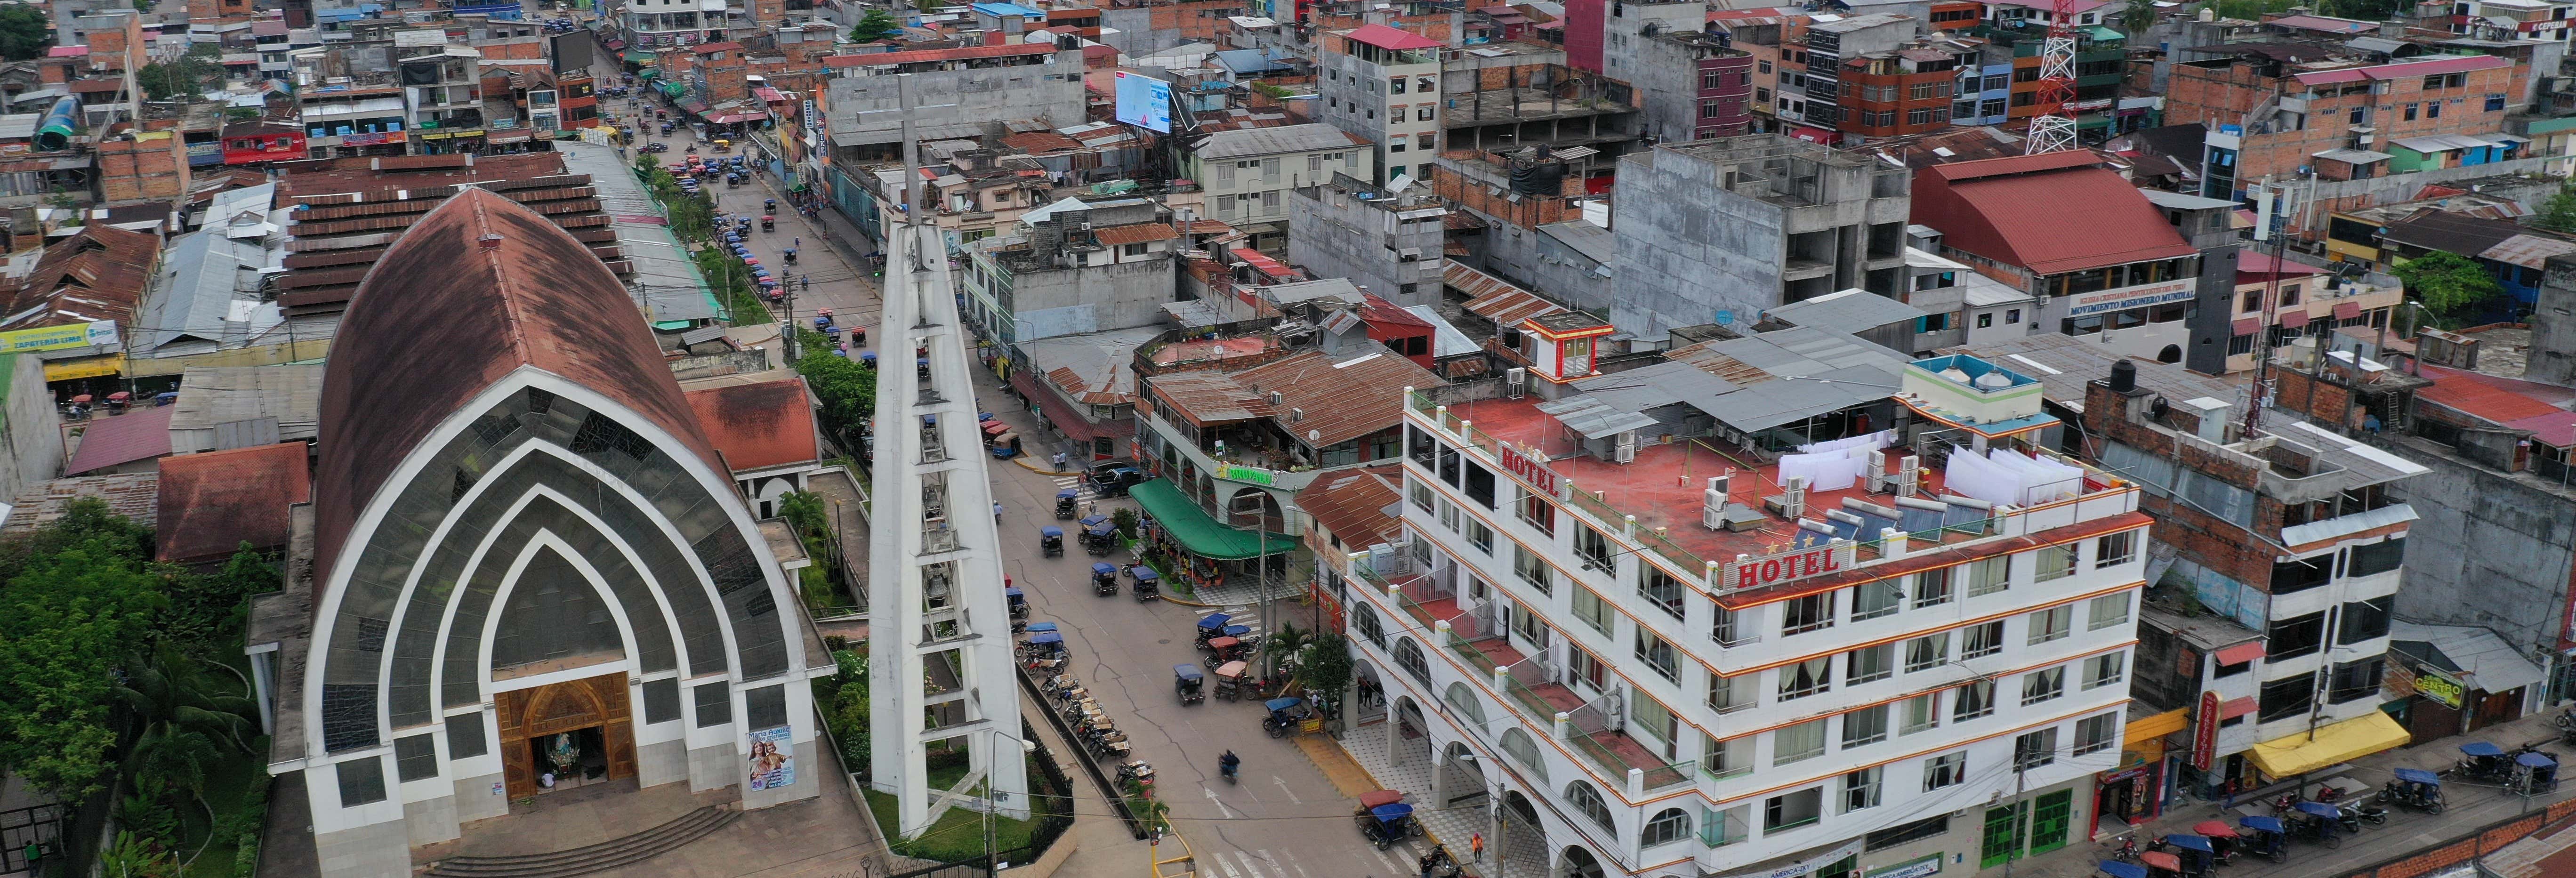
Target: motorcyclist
[[1227, 763]]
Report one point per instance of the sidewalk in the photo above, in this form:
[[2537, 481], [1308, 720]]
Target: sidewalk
[[2473, 806]]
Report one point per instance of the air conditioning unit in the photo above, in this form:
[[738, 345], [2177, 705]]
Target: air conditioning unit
[[1713, 500], [1516, 383], [1625, 449]]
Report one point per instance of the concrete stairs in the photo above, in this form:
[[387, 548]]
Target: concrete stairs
[[595, 858]]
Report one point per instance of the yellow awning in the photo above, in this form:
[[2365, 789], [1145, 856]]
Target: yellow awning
[[92, 367], [2299, 754]]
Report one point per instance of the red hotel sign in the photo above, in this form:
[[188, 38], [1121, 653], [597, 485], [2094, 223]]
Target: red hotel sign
[[2204, 738], [1527, 469], [1777, 569]]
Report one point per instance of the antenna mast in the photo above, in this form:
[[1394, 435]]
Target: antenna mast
[[2053, 129]]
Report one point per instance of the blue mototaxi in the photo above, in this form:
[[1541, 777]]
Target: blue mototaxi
[[2265, 836], [1042, 627], [1104, 578], [2480, 759], [1189, 683], [1385, 825], [2117, 869], [1099, 538], [2322, 821], [1016, 601], [1283, 717], [2197, 854], [2535, 773], [1068, 504], [1043, 645], [1211, 626], [1051, 540], [1148, 584]]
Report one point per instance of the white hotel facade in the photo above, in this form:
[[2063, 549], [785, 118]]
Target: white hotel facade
[[1569, 646]]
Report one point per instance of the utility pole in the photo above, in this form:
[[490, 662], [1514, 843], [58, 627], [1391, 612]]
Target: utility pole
[[2021, 820]]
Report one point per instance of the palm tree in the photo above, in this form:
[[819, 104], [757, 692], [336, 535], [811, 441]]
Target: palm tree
[[182, 723], [1283, 646]]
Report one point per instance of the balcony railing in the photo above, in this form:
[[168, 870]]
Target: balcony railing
[[1604, 749]]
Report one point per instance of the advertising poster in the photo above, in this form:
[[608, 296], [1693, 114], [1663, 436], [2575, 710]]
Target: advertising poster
[[773, 758], [1145, 102]]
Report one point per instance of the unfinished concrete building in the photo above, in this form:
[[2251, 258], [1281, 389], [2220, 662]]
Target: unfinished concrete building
[[1741, 224]]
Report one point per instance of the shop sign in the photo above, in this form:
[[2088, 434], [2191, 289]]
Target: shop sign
[[1809, 865], [2140, 771], [1254, 475], [1915, 868], [54, 338], [94, 367], [2140, 296], [1528, 469], [1787, 567], [2204, 735], [2433, 685]]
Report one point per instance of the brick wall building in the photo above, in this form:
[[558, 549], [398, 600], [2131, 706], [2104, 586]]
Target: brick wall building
[[143, 166], [2290, 112]]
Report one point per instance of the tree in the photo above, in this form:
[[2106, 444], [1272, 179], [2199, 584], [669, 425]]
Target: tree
[[2558, 213], [2138, 15], [1282, 647], [66, 624], [24, 32], [878, 24], [2450, 286], [208, 608], [1326, 665], [191, 74], [848, 390]]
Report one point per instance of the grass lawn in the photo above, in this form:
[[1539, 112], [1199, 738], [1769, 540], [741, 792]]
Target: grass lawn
[[958, 835]]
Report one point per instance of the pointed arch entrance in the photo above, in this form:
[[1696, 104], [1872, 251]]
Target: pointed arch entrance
[[584, 708]]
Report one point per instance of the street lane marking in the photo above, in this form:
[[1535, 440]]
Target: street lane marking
[[1273, 863], [1228, 867], [1220, 803], [1249, 864], [1390, 861], [1293, 864], [1283, 787]]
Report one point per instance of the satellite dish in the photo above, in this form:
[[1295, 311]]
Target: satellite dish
[[1313, 435]]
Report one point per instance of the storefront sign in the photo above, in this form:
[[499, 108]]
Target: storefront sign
[[2204, 735], [54, 338], [91, 367], [1809, 865], [1786, 567], [371, 138], [2140, 296], [1916, 868], [2432, 685], [1528, 469], [1247, 474], [773, 758]]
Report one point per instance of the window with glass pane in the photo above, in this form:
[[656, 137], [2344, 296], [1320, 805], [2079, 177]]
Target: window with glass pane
[[1922, 713], [1865, 726], [1449, 516], [1591, 609], [1806, 678], [1860, 788], [1537, 511], [2107, 611], [1422, 496], [1726, 627], [1814, 612], [1987, 576], [1532, 569], [1947, 769], [2094, 734], [1793, 810], [1927, 652], [2051, 624], [1722, 828], [1480, 536], [2042, 685], [2353, 681], [1729, 694], [1732, 757], [2365, 620], [1975, 699], [1875, 599], [1979, 641], [2115, 549], [2053, 562], [2379, 557], [1530, 625], [1869, 663], [2285, 698], [1661, 590], [1932, 587], [2105, 669], [1588, 800], [1657, 653], [2295, 636], [1594, 548], [2035, 749], [1668, 826], [1365, 622], [1798, 743]]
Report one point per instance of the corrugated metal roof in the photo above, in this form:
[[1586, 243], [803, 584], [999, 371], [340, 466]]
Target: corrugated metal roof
[[140, 434], [1339, 401], [1243, 142], [2483, 400], [2403, 69], [1594, 418], [1353, 504], [2013, 210], [290, 394], [2492, 664], [1493, 298], [1385, 37], [2528, 251], [2555, 429], [1850, 311]]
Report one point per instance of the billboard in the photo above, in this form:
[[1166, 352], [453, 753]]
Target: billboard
[[54, 338], [1145, 102], [773, 758]]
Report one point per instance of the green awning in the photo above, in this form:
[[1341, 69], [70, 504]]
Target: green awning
[[673, 89], [1202, 535], [637, 57]]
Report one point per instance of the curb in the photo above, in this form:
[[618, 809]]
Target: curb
[[1345, 765], [1031, 465]]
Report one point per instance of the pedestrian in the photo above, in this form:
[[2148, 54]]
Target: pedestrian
[[1059, 461], [1476, 845]]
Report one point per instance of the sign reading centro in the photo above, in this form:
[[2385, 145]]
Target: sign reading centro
[[54, 338]]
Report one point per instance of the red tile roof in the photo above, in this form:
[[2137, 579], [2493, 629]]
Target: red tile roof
[[957, 54], [2482, 399], [211, 503], [1385, 37], [141, 434], [475, 289], [758, 426], [2014, 210]]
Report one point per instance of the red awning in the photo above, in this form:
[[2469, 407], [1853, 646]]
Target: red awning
[[614, 45], [2294, 319], [2347, 310], [1813, 135], [2246, 326], [2236, 708], [2241, 653]]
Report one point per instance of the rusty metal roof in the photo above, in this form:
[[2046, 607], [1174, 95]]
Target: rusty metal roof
[[1326, 403], [1494, 299], [1352, 504]]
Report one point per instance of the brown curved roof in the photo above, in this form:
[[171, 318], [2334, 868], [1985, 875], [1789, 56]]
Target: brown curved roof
[[442, 316]]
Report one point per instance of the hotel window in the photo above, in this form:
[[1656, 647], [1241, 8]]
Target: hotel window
[[1798, 743], [2051, 624], [1869, 664], [1932, 587], [1922, 713], [1975, 699], [2041, 685], [1988, 576], [2094, 734], [1594, 548], [1814, 612], [2105, 669], [2035, 749], [1532, 569], [1874, 599], [1661, 590], [2115, 549], [1979, 641], [1657, 653], [1793, 810], [1927, 652], [1806, 678], [1590, 608], [2053, 563], [1865, 726], [1480, 536], [2108, 610], [1860, 788], [1724, 628], [1945, 770], [1537, 511]]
